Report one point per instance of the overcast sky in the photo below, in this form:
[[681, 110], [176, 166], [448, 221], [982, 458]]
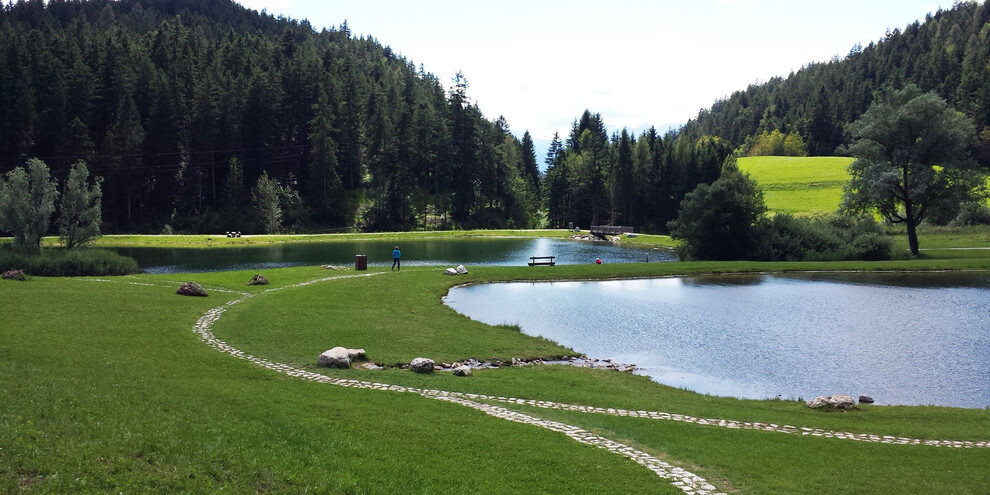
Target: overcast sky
[[637, 62]]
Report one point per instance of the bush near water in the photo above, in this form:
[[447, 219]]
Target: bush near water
[[55, 262]]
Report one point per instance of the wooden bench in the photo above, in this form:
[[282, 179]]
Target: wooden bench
[[542, 260]]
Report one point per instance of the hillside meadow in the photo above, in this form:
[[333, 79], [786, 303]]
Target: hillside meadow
[[799, 185], [105, 386]]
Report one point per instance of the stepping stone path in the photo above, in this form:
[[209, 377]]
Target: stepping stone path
[[686, 481]]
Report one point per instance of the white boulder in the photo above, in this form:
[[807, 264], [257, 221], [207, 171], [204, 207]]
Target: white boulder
[[838, 401], [422, 365], [338, 357]]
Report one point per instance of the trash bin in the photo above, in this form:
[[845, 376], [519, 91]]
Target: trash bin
[[361, 262]]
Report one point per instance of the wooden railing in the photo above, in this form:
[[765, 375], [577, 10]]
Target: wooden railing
[[604, 230]]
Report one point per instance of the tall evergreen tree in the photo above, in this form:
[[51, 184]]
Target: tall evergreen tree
[[234, 201], [325, 185], [529, 161]]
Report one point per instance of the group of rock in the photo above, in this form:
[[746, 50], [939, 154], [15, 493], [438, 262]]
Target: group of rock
[[342, 357], [460, 270], [14, 275], [839, 402], [194, 289]]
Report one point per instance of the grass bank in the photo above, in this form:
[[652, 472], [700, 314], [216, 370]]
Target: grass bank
[[104, 387]]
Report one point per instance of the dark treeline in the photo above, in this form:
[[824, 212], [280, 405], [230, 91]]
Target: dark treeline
[[201, 115], [948, 54], [183, 105], [593, 178]]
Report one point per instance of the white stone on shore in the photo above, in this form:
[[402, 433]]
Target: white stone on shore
[[838, 401]]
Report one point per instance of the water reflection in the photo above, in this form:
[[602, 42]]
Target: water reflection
[[452, 252], [915, 339], [724, 280]]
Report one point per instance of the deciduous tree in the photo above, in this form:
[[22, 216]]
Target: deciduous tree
[[266, 200], [720, 221], [912, 150], [79, 218], [27, 201]]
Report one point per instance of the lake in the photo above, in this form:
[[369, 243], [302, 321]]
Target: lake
[[447, 251], [904, 339]]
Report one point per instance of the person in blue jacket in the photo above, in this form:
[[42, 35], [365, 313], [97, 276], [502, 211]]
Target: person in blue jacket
[[395, 259]]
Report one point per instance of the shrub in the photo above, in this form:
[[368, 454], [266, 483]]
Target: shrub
[[972, 213], [720, 221], [67, 263], [823, 238]]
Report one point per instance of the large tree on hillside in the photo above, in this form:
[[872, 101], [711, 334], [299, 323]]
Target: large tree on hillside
[[912, 151]]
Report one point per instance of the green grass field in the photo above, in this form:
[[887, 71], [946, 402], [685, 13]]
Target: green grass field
[[799, 185], [105, 387]]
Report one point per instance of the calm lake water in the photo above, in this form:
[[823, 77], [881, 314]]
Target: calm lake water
[[904, 339], [453, 252]]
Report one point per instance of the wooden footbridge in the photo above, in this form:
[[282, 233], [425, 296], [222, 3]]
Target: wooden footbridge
[[603, 231]]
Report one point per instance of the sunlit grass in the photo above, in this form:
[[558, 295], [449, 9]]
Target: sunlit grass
[[799, 185], [104, 387]]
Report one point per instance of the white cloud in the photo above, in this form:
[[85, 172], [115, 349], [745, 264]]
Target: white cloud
[[272, 6], [540, 66]]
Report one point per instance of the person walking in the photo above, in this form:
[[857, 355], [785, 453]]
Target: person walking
[[395, 259]]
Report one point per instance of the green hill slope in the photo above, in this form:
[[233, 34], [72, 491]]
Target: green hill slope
[[799, 185]]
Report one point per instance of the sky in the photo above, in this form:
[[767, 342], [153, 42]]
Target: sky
[[638, 63]]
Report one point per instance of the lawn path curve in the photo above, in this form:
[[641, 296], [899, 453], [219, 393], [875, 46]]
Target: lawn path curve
[[683, 479], [687, 481]]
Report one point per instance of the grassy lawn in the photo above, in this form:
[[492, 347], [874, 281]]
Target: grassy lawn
[[799, 184], [105, 387], [754, 462]]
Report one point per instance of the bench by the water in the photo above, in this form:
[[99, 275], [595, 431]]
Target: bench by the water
[[542, 260], [604, 230]]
